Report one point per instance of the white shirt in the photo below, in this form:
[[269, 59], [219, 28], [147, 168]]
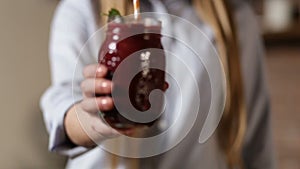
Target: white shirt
[[75, 22]]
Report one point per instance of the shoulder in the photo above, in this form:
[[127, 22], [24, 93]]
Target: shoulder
[[75, 11], [79, 5], [245, 17], [248, 28]]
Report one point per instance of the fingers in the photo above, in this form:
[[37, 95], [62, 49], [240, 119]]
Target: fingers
[[128, 132], [92, 86], [93, 126], [93, 105], [95, 83], [94, 71], [104, 130], [96, 124]]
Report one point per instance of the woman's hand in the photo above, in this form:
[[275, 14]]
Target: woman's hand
[[82, 122]]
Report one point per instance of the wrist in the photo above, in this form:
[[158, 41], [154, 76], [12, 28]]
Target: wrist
[[74, 131]]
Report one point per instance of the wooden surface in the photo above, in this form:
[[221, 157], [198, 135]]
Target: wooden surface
[[290, 34], [283, 65]]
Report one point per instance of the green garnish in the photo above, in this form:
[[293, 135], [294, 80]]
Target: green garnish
[[113, 14]]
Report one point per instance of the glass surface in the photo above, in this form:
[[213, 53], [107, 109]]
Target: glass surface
[[124, 38]]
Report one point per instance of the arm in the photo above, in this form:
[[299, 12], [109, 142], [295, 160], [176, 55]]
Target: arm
[[259, 149], [68, 34]]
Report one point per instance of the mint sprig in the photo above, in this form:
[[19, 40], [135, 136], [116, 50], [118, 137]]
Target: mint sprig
[[113, 14]]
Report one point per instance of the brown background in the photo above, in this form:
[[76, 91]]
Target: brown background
[[24, 73]]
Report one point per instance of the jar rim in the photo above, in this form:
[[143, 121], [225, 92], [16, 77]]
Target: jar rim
[[146, 22]]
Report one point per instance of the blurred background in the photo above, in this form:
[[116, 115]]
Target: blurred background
[[24, 70]]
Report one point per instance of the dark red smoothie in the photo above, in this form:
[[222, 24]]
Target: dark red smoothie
[[122, 40]]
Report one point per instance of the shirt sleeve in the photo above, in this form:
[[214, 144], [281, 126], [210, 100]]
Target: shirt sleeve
[[258, 150], [67, 37]]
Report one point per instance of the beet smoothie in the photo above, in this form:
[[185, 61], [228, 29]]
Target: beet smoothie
[[122, 40]]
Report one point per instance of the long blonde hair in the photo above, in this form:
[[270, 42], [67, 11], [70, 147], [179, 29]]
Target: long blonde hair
[[218, 15]]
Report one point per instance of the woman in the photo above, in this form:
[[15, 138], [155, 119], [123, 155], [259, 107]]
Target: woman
[[243, 138]]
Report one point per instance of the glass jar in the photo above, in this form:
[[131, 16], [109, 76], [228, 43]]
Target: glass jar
[[123, 38]]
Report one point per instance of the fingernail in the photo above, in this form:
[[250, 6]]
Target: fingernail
[[99, 69], [104, 101], [104, 84]]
